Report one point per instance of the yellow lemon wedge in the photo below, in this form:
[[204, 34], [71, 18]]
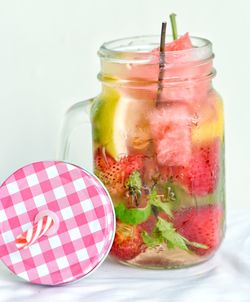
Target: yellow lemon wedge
[[210, 128], [119, 121]]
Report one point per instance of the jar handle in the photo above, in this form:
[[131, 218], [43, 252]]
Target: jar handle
[[76, 116]]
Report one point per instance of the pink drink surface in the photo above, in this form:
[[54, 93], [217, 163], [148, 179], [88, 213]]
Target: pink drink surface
[[163, 162]]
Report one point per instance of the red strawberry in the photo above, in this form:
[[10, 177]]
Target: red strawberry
[[102, 160], [114, 173], [128, 242], [131, 163], [200, 176], [201, 225]]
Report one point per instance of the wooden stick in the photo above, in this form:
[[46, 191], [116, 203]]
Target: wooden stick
[[161, 62]]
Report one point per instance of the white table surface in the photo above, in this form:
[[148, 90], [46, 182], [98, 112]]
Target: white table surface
[[225, 278]]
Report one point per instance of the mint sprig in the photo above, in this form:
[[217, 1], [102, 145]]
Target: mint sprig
[[134, 186], [151, 241], [133, 215], [155, 200], [170, 236], [134, 182], [165, 232]]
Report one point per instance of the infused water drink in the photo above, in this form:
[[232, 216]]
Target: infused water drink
[[159, 150]]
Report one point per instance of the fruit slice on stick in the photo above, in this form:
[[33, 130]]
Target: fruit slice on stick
[[150, 71]]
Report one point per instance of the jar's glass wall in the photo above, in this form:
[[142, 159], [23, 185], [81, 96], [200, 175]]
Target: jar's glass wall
[[162, 160]]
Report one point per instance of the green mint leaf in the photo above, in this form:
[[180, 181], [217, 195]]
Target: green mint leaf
[[133, 215], [134, 187], [151, 241], [171, 237], [134, 183], [155, 200], [195, 244], [170, 245]]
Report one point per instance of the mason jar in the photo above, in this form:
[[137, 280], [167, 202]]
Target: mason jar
[[158, 147]]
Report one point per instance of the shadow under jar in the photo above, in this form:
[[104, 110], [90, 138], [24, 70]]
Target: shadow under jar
[[158, 147]]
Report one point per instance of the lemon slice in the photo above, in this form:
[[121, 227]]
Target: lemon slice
[[108, 122], [120, 122], [210, 129]]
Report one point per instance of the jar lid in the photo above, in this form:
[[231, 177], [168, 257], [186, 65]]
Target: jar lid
[[57, 223]]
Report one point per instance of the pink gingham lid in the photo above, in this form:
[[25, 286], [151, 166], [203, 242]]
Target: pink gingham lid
[[85, 222]]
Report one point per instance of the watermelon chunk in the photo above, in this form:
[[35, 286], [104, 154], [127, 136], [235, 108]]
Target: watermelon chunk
[[171, 133], [182, 43]]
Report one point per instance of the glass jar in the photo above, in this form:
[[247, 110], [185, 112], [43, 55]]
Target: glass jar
[[158, 147]]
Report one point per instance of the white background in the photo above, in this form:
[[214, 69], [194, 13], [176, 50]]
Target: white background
[[48, 61]]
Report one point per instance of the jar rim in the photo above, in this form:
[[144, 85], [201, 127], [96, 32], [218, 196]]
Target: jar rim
[[138, 49]]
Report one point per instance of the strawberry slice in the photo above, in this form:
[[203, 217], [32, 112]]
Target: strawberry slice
[[202, 225], [114, 173], [102, 160], [200, 176], [128, 242]]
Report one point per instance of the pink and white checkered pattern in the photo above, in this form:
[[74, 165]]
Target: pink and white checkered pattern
[[86, 222]]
